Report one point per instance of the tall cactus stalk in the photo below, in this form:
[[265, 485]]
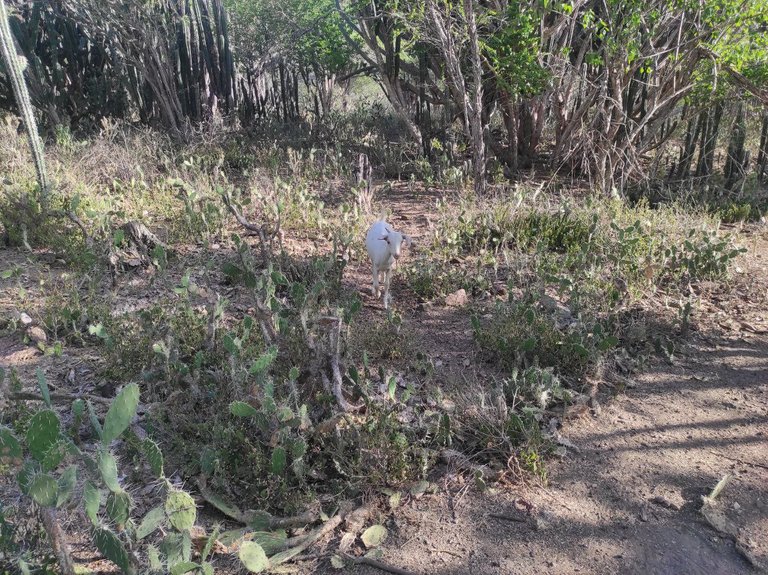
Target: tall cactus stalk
[[16, 75]]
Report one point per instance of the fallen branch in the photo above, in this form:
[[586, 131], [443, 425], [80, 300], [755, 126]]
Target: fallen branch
[[27, 396], [314, 536], [370, 562], [505, 517], [271, 523]]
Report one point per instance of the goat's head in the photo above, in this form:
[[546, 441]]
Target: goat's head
[[395, 241]]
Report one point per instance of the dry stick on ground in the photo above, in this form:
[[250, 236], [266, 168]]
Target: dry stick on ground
[[246, 517], [375, 564], [738, 460], [514, 518], [327, 527], [27, 396]]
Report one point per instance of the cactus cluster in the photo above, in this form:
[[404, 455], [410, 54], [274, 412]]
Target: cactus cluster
[[107, 504], [88, 59]]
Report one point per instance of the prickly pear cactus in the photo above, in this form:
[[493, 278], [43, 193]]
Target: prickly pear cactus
[[67, 483], [253, 557], [154, 456], [108, 470], [109, 544], [152, 520], [92, 502], [181, 510], [42, 433], [120, 413], [44, 490], [119, 507]]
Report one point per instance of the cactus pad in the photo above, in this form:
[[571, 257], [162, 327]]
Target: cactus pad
[[44, 490], [111, 547], [120, 413], [119, 507], [108, 470], [181, 510], [253, 557], [42, 433], [154, 456]]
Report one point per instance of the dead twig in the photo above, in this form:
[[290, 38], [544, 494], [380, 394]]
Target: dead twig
[[314, 536], [505, 517], [376, 564], [738, 460], [27, 396]]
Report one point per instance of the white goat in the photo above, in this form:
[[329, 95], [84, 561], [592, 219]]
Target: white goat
[[384, 247]]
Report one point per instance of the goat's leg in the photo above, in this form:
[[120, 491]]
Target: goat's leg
[[387, 277], [375, 289]]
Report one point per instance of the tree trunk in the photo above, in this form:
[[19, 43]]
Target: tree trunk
[[762, 152], [476, 107]]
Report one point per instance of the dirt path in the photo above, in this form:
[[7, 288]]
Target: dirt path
[[628, 501], [627, 498]]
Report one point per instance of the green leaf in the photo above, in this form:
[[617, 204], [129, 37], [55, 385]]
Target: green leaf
[[374, 536], [10, 449], [42, 433], [67, 483], [152, 520], [154, 456], [263, 363], [278, 460], [242, 409], [92, 500], [108, 469], [44, 490], [181, 510], [43, 385], [253, 557], [120, 413]]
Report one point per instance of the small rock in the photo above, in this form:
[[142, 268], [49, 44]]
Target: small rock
[[467, 363], [438, 364], [25, 319], [457, 298], [36, 334]]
